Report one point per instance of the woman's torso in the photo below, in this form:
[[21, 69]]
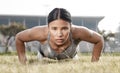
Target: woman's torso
[[68, 52]]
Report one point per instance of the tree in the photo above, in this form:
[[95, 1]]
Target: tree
[[107, 37], [118, 35], [11, 30]]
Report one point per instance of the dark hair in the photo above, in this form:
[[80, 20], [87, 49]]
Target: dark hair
[[59, 13]]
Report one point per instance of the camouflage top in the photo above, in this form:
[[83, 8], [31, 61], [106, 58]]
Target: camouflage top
[[46, 51]]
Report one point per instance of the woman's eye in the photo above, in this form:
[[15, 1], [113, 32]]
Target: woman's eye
[[54, 28], [65, 28]]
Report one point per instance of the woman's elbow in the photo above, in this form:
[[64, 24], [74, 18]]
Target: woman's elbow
[[18, 37], [101, 40]]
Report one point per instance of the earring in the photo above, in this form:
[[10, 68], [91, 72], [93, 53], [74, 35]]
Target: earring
[[48, 35]]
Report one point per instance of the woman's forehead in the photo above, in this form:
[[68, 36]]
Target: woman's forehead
[[59, 22]]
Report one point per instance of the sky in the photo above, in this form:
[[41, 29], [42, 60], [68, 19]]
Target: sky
[[107, 8]]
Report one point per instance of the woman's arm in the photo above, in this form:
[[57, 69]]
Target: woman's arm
[[88, 35], [20, 47], [27, 35]]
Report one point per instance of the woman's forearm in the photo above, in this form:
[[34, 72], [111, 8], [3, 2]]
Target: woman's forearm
[[97, 51], [20, 47]]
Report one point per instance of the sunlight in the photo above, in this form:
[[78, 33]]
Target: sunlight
[[110, 10]]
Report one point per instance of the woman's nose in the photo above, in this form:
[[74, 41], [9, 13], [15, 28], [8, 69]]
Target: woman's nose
[[59, 33]]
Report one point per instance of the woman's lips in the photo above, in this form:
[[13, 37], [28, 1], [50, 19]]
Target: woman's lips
[[59, 40]]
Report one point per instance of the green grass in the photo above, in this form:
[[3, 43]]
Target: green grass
[[108, 63]]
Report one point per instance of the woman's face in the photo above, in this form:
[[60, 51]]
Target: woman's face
[[59, 31]]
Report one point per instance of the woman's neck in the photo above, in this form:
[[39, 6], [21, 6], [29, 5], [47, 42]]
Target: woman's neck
[[59, 48]]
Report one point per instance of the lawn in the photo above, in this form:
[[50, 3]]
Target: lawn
[[108, 63]]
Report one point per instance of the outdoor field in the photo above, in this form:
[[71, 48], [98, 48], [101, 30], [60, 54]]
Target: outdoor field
[[109, 63]]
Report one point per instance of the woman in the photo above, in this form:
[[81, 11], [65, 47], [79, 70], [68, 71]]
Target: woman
[[60, 38]]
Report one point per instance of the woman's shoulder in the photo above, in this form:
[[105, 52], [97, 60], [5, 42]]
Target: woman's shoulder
[[40, 27], [78, 27], [78, 31], [82, 29], [39, 32]]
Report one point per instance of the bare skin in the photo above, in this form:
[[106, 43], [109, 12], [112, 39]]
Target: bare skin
[[59, 38]]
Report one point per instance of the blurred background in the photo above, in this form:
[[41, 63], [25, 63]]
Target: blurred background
[[101, 16]]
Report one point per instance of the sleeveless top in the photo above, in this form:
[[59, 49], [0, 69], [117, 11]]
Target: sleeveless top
[[46, 51]]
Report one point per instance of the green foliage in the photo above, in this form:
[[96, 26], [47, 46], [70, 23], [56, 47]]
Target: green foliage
[[11, 30], [15, 53], [106, 36], [8, 53], [106, 64]]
